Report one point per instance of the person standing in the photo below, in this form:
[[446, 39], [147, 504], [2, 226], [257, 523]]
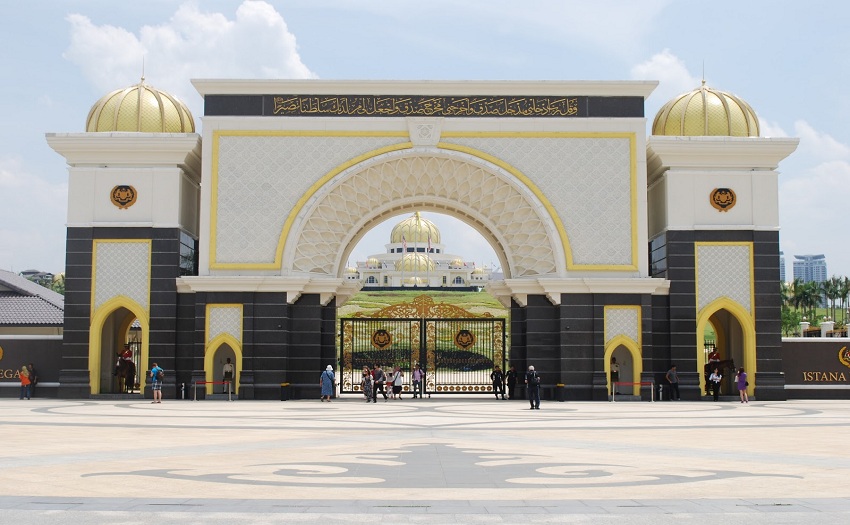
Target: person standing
[[418, 377], [24, 375], [532, 380], [366, 383], [397, 381], [326, 382], [157, 375], [33, 378], [511, 380], [498, 379], [741, 379], [673, 379], [615, 375], [714, 379], [378, 380], [227, 377]]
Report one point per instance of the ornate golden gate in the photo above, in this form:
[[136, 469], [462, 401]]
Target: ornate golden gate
[[456, 348]]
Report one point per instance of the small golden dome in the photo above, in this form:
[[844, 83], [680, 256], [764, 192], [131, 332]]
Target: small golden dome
[[456, 263], [140, 108], [414, 281], [415, 263], [478, 271], [415, 230], [351, 270], [706, 112], [372, 262]]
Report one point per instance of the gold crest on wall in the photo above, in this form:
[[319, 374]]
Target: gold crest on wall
[[123, 196], [723, 199]]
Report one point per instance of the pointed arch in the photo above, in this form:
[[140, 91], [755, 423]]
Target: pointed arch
[[747, 322], [634, 350], [211, 349], [98, 320]]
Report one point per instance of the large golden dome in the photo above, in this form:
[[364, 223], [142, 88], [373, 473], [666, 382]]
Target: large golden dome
[[415, 263], [140, 108], [415, 230], [706, 112]]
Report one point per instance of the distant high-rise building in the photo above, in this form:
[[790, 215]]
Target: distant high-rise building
[[810, 268], [781, 266]]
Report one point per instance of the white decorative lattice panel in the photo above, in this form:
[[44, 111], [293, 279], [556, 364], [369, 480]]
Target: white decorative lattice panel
[[724, 271], [587, 180], [622, 321], [122, 268], [496, 199], [225, 320], [260, 178]]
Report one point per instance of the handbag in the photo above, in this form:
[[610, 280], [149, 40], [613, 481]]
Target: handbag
[[746, 383]]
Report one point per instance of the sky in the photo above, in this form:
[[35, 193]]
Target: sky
[[788, 60]]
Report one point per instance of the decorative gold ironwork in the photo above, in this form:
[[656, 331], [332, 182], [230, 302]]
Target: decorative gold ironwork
[[425, 106], [423, 307], [347, 355]]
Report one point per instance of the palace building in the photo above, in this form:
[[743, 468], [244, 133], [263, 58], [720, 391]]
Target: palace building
[[231, 241]]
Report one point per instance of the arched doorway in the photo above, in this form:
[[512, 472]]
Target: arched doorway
[[218, 352], [627, 354], [112, 328], [734, 340]]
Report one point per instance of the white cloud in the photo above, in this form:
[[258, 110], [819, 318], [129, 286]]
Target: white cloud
[[29, 236], [672, 75], [820, 145], [191, 44], [813, 214], [771, 129]]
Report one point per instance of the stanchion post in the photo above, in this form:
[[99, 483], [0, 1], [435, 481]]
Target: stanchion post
[[229, 391], [195, 390]]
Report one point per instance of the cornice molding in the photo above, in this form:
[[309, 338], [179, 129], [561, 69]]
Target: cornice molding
[[625, 88], [293, 287], [520, 289]]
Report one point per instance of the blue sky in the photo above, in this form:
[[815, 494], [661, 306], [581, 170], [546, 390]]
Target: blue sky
[[787, 59]]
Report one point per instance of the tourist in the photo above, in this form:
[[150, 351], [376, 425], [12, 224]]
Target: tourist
[[714, 379], [366, 383], [741, 379], [418, 377], [326, 382], [157, 375], [378, 380], [397, 381], [673, 379], [25, 382], [511, 380], [532, 380], [498, 379], [33, 378]]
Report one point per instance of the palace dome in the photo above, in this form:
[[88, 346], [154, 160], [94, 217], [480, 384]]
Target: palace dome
[[415, 263], [706, 112], [414, 281], [350, 270], [373, 262], [140, 108], [478, 271], [416, 230], [456, 263]]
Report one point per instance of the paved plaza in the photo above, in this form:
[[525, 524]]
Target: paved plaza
[[446, 460]]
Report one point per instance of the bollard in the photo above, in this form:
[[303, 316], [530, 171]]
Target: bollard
[[661, 392], [182, 390]]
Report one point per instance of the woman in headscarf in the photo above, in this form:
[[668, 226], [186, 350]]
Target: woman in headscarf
[[326, 381]]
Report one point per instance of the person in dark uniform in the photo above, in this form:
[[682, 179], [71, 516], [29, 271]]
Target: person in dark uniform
[[532, 380], [511, 380], [498, 378]]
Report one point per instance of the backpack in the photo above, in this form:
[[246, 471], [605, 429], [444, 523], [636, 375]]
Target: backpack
[[159, 373]]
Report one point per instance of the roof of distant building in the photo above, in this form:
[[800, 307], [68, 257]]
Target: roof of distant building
[[25, 303]]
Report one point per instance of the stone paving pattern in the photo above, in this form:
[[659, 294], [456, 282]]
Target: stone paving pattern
[[446, 460]]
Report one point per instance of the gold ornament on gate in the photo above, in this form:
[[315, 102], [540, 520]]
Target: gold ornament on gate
[[381, 339]]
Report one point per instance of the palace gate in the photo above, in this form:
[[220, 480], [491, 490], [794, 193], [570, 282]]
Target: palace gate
[[457, 350]]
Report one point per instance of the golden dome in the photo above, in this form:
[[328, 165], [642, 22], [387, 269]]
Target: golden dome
[[350, 270], [373, 262], [414, 263], [415, 230], [140, 108], [414, 281], [478, 271], [456, 263], [706, 112]]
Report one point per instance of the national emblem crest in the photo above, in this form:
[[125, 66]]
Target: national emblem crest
[[123, 196], [381, 339], [464, 339], [723, 199], [844, 356]]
